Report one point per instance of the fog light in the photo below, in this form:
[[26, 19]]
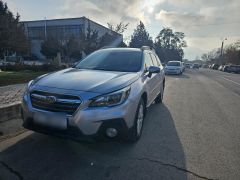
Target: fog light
[[111, 132]]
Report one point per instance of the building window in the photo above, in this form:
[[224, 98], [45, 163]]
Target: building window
[[63, 32], [36, 33], [59, 32]]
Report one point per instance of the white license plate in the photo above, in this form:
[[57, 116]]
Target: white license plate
[[53, 120]]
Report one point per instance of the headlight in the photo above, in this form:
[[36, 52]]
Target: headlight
[[29, 84], [111, 99]]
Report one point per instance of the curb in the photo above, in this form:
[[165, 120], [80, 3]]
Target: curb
[[9, 112]]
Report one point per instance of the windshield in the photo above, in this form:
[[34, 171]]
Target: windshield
[[173, 63], [108, 60]]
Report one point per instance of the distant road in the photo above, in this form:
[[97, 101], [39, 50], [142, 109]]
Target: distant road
[[228, 80], [194, 134]]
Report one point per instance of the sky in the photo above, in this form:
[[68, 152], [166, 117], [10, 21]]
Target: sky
[[205, 22]]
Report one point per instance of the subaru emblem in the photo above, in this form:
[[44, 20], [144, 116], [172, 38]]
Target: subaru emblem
[[51, 99]]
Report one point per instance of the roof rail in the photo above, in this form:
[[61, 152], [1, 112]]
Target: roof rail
[[106, 47], [145, 48]]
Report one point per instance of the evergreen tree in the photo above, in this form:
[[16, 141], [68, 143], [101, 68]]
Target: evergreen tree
[[12, 36], [140, 37]]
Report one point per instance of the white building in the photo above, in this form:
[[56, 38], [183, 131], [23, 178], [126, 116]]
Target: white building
[[39, 30]]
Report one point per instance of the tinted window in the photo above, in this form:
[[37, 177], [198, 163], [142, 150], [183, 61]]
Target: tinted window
[[173, 63], [148, 60], [110, 60]]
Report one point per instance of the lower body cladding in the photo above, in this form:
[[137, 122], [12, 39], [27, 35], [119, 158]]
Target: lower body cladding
[[111, 122]]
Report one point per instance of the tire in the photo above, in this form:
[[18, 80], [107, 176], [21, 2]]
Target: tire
[[159, 98], [136, 131]]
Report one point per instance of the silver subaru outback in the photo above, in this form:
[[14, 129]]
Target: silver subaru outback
[[105, 95]]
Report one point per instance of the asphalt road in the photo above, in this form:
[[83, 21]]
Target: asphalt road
[[194, 134]]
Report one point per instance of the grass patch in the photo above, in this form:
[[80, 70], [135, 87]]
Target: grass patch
[[13, 77]]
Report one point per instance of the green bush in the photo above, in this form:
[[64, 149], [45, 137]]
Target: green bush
[[22, 67]]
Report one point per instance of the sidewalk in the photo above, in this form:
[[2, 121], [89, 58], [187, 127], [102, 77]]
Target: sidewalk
[[11, 94]]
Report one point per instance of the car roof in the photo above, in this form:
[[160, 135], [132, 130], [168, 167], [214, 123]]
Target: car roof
[[175, 61], [121, 49]]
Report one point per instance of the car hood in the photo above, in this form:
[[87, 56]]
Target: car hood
[[87, 80]]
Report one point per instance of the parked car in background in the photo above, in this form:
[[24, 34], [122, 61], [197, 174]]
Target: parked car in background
[[106, 94], [226, 68], [221, 68], [174, 67], [188, 65], [237, 69], [183, 65], [205, 66], [234, 69], [215, 67], [195, 66]]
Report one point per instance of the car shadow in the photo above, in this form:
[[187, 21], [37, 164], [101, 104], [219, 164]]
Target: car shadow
[[157, 155]]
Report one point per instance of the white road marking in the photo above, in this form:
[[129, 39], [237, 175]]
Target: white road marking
[[231, 81]]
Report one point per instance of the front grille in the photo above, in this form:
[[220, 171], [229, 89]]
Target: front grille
[[55, 102]]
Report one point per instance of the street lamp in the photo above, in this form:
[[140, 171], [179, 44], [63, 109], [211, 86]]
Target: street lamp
[[221, 58]]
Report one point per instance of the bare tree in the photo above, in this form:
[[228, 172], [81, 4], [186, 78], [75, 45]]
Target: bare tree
[[120, 28]]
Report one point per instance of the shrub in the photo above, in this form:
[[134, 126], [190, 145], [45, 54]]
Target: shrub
[[22, 67]]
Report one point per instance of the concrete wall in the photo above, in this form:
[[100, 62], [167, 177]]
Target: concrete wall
[[9, 112], [10, 121]]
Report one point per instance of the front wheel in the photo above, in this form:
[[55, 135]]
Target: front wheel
[[136, 131]]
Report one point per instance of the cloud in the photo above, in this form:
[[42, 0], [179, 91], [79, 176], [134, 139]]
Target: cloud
[[104, 10], [195, 12], [179, 20]]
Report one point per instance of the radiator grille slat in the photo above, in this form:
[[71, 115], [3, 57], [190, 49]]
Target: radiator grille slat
[[55, 102]]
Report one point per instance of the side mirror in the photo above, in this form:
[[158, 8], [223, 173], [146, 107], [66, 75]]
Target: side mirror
[[152, 70]]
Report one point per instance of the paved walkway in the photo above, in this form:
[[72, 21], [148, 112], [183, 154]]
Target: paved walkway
[[11, 94]]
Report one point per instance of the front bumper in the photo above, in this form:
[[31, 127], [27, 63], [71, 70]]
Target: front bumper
[[75, 133], [174, 71], [85, 122]]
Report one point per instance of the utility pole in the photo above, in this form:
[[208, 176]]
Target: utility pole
[[221, 58], [45, 28]]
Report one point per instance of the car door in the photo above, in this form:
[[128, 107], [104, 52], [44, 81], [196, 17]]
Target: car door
[[158, 79], [162, 74], [151, 81]]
